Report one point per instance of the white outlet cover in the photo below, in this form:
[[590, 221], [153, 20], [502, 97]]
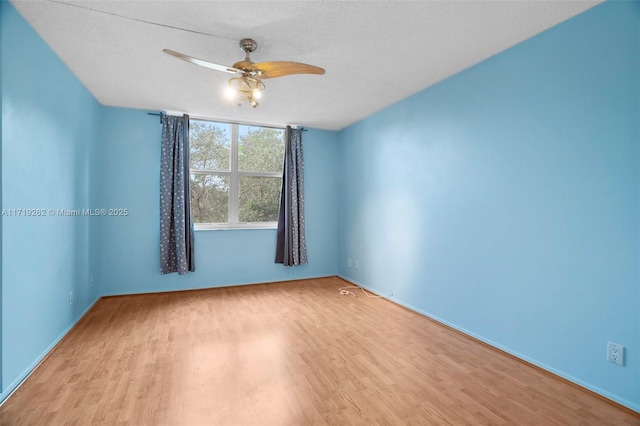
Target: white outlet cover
[[615, 353]]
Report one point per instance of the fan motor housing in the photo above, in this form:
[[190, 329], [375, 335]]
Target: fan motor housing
[[248, 45]]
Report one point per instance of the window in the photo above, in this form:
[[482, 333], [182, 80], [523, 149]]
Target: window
[[236, 174]]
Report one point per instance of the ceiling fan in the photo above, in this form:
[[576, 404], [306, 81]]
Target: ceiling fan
[[248, 84]]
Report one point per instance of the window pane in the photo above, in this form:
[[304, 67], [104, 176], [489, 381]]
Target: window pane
[[259, 198], [260, 149], [209, 198], [209, 145]]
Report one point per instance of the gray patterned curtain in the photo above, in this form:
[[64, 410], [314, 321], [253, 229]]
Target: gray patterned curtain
[[291, 246], [176, 226]]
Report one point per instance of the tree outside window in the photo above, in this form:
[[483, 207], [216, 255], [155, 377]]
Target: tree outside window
[[236, 174]]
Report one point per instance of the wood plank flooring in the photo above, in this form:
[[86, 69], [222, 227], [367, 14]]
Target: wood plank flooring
[[286, 353]]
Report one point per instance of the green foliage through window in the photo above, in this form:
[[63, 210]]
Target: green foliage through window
[[236, 173]]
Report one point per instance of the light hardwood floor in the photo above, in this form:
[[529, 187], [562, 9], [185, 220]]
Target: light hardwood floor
[[286, 353]]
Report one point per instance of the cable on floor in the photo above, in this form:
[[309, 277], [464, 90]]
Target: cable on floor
[[345, 292]]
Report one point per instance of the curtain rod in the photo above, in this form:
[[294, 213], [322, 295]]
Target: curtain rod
[[162, 114]]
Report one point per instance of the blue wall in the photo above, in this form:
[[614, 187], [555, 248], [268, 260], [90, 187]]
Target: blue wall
[[2, 38], [1, 102], [49, 128], [128, 260], [505, 201]]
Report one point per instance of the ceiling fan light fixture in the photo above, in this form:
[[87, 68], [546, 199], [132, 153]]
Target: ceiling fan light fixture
[[247, 85], [230, 93], [245, 88]]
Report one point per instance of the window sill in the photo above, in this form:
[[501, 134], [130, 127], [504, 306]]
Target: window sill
[[239, 227]]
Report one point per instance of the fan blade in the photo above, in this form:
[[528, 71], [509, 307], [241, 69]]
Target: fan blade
[[281, 68], [202, 62]]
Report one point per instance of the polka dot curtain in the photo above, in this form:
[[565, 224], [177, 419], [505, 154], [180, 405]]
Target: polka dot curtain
[[291, 246], [176, 226]]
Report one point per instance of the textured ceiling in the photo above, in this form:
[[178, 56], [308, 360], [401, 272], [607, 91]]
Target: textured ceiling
[[374, 53]]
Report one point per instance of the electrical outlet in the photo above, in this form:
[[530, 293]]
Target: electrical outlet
[[348, 263], [91, 280], [615, 353], [71, 298], [357, 264]]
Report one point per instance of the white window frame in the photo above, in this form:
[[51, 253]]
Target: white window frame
[[234, 183]]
